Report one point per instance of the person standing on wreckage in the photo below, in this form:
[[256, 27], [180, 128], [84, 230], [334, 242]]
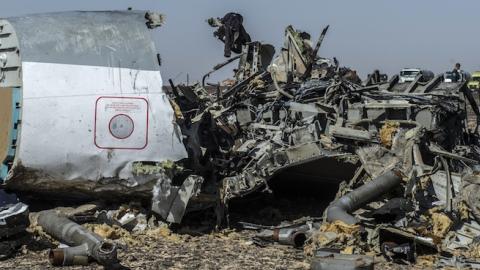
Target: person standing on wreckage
[[231, 32], [456, 73]]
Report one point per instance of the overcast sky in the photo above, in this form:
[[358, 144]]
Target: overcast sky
[[364, 35]]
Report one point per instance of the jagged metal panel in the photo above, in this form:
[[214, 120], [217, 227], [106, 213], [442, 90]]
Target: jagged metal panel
[[440, 185], [92, 104], [104, 38], [465, 234]]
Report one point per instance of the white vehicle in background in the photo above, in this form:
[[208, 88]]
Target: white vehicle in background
[[409, 75]]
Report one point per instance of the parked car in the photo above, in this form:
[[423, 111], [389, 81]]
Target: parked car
[[409, 74]]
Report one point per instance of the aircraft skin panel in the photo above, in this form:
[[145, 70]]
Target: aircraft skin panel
[[90, 122], [92, 104]]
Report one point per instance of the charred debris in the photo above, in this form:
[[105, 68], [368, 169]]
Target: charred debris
[[404, 156]]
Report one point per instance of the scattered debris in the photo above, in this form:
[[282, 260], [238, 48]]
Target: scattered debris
[[83, 243], [334, 261], [406, 139], [402, 153], [294, 234], [170, 202], [13, 224]]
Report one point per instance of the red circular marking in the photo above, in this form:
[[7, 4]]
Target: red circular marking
[[110, 126]]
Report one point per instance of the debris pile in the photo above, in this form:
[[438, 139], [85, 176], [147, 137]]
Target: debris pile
[[403, 155], [401, 152]]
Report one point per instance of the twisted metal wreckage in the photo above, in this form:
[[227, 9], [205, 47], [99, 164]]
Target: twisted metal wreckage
[[403, 155]]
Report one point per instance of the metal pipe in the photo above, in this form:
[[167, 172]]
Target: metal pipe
[[401, 122], [340, 209], [69, 256], [174, 88], [292, 235], [219, 66], [313, 56], [273, 73], [83, 241], [295, 236]]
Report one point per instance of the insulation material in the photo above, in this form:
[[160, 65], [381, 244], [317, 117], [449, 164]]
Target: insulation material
[[441, 224], [387, 132]]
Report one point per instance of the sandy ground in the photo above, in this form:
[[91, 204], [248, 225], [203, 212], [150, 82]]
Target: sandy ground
[[222, 250], [196, 246], [160, 250]]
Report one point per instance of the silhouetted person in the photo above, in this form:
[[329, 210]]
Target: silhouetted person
[[376, 78], [456, 76]]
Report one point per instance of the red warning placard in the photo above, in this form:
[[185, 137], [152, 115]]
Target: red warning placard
[[121, 123]]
